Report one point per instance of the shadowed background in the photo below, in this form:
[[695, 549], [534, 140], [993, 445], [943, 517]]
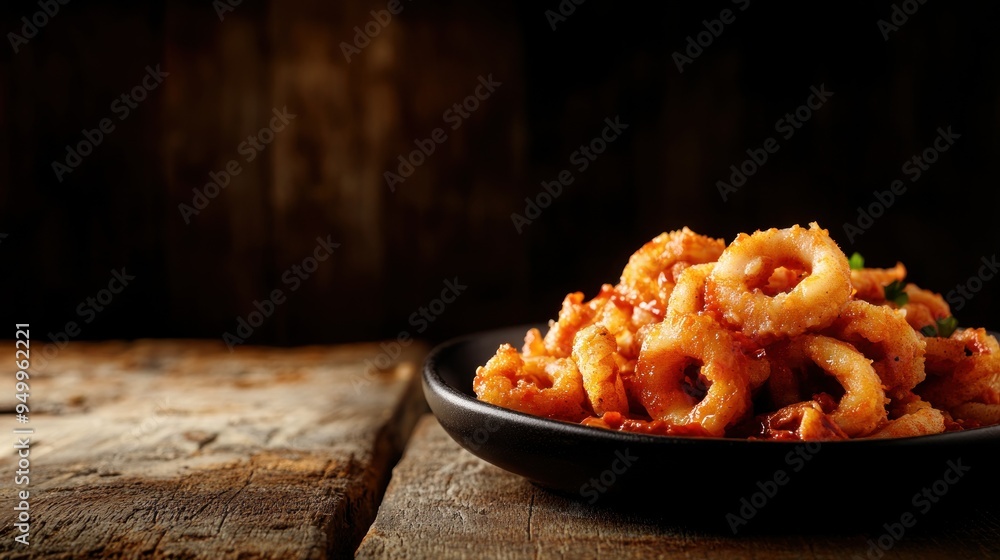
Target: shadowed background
[[323, 174]]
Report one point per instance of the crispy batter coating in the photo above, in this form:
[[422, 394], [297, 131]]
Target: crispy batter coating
[[734, 286], [693, 340], [594, 352], [650, 274], [869, 283], [546, 386], [772, 337], [883, 335], [976, 377]]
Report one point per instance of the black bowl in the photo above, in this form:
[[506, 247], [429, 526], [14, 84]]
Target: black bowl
[[731, 483]]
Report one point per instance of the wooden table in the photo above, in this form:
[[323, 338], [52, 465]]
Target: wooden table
[[178, 449]]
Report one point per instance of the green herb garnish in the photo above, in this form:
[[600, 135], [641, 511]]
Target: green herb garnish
[[894, 292], [856, 261], [946, 327]]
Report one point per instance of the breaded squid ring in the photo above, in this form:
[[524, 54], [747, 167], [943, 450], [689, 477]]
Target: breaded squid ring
[[922, 422], [573, 316], [983, 414], [648, 278], [594, 352], [911, 416], [862, 408], [899, 350], [667, 351], [689, 294], [733, 287], [924, 307], [608, 308], [546, 386], [689, 297], [869, 283], [976, 378]]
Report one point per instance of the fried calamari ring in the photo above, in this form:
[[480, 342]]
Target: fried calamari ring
[[911, 416], [609, 309], [733, 286], [693, 340], [943, 355], [649, 276], [861, 408], [924, 307], [980, 413], [976, 378], [869, 283], [534, 344], [594, 352], [689, 294], [573, 316], [618, 318], [883, 335], [922, 422], [689, 297], [549, 387]]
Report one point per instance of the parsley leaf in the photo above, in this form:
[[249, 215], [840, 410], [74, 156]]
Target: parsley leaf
[[947, 326], [944, 329], [894, 293], [856, 261]]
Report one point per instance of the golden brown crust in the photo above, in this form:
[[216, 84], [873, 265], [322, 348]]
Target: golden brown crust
[[772, 337]]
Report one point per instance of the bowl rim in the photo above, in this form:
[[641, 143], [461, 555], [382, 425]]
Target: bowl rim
[[434, 383]]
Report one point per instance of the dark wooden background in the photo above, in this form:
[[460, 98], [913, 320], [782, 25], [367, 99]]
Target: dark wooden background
[[324, 173]]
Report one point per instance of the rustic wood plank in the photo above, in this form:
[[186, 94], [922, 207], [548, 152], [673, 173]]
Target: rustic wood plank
[[183, 449], [443, 502]]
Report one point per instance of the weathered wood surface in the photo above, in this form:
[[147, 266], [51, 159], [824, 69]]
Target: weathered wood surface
[[443, 502], [183, 449]]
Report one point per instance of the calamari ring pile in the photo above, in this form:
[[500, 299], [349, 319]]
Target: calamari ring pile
[[774, 336]]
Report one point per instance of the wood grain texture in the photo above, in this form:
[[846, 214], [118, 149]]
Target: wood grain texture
[[182, 449], [443, 502]]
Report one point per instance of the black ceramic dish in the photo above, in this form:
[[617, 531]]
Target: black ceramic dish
[[711, 480]]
